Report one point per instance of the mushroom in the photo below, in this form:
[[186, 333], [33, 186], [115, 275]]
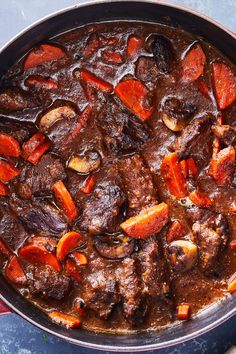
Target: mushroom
[[87, 163], [114, 247], [182, 255], [51, 117], [176, 114]]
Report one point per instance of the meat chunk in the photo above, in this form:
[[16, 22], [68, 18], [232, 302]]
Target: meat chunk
[[39, 179], [49, 284], [226, 133], [134, 306], [16, 130], [102, 211], [138, 184], [123, 132], [146, 70], [13, 99], [11, 230], [39, 216], [100, 289], [195, 140]]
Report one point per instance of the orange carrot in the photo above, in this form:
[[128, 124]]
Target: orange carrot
[[134, 45], [9, 146], [72, 270], [7, 171], [14, 271], [38, 152], [222, 166], [88, 185], [65, 200], [183, 311], [224, 82], [200, 199], [42, 54], [193, 63], [65, 320], [176, 231], [32, 144], [3, 189], [39, 81], [67, 243]]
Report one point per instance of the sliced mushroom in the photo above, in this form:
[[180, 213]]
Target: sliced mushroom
[[54, 115], [176, 114], [114, 247], [87, 163], [182, 255]]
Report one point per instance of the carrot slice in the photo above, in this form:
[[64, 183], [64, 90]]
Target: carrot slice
[[203, 88], [80, 258], [148, 222], [135, 96], [37, 254], [97, 83], [72, 270], [9, 146], [31, 145], [222, 166], [183, 311], [200, 199], [184, 168], [63, 319], [4, 249], [134, 44], [7, 171], [39, 81], [192, 167], [111, 57], [224, 82], [42, 54], [232, 286], [88, 185], [65, 200], [172, 174], [176, 231], [193, 63], [14, 272], [3, 189], [233, 245], [38, 152], [67, 243]]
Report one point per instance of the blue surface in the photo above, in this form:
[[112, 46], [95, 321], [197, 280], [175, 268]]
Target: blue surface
[[16, 335]]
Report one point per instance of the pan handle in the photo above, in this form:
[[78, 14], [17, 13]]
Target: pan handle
[[4, 309]]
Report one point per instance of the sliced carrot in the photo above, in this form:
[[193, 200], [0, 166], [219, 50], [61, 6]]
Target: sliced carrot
[[96, 82], [65, 320], [112, 57], [176, 231], [173, 176], [79, 258], [184, 168], [222, 166], [42, 54], [72, 270], [85, 115], [134, 45], [39, 81], [203, 88], [9, 146], [7, 171], [88, 185], [14, 272], [216, 147], [232, 285], [37, 254], [67, 243], [192, 167], [224, 82], [38, 152], [193, 63], [3, 189], [65, 200], [32, 144], [183, 311], [200, 199], [233, 245], [148, 222], [135, 96], [4, 249]]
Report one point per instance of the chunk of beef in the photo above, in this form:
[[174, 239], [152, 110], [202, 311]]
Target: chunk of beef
[[39, 180], [39, 216], [226, 133], [123, 132], [11, 230], [92, 45], [13, 99], [100, 288], [15, 129], [195, 140], [102, 211], [49, 284], [134, 305], [146, 70], [138, 183]]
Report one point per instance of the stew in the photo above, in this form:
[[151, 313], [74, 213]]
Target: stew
[[117, 176]]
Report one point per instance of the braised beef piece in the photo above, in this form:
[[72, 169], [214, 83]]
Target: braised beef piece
[[38, 180], [100, 288], [146, 70], [226, 133], [48, 283], [11, 230], [163, 52], [92, 45], [195, 140], [14, 99], [18, 131], [138, 183], [39, 216], [122, 131]]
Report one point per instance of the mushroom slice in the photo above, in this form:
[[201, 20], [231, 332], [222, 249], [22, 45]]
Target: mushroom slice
[[176, 114], [51, 117], [182, 255], [87, 163], [114, 247]]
